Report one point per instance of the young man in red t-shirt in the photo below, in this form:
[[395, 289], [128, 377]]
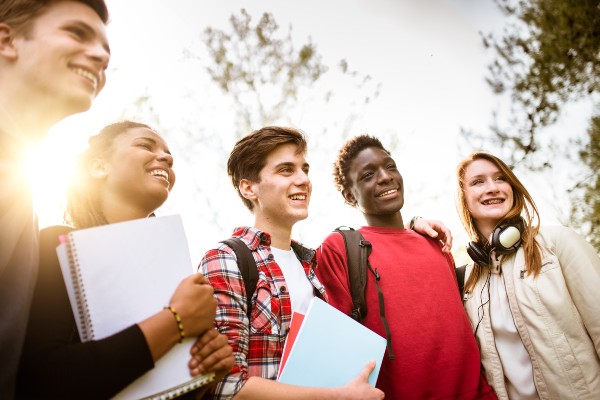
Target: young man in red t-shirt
[[436, 355]]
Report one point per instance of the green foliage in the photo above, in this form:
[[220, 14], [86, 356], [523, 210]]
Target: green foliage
[[259, 69], [548, 55], [585, 212]]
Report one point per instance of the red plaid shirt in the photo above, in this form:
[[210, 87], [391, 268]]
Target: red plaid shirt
[[257, 351]]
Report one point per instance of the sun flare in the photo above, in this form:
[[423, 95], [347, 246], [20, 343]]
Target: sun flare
[[49, 168]]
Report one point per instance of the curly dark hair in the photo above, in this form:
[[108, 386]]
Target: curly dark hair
[[347, 153], [83, 192], [250, 153]]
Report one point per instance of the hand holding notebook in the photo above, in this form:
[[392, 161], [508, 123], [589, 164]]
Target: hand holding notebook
[[122, 273], [327, 348]]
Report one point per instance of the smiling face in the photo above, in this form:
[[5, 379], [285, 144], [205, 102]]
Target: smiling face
[[376, 187], [138, 171], [488, 195], [62, 57], [282, 195]]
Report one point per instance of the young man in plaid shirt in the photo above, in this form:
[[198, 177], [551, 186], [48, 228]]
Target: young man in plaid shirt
[[270, 173]]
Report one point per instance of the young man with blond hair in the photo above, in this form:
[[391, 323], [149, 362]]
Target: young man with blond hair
[[53, 55]]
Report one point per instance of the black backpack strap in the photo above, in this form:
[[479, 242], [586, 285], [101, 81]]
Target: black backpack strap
[[460, 277], [357, 254], [247, 267], [358, 251]]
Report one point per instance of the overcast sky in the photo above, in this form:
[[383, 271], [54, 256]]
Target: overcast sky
[[426, 54]]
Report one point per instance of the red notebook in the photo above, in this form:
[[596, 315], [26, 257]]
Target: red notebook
[[295, 325]]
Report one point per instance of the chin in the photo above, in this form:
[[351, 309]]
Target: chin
[[76, 105]]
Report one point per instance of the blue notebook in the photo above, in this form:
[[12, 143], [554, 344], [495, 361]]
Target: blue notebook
[[331, 349]]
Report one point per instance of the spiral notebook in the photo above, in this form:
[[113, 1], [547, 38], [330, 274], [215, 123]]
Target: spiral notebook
[[120, 274]]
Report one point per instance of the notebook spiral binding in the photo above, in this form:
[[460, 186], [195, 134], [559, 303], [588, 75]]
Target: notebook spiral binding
[[182, 389], [82, 306]]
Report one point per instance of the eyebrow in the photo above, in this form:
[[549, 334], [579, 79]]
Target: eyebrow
[[290, 164], [153, 141], [371, 164], [90, 30], [497, 173]]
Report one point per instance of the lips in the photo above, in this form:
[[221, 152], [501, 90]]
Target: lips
[[161, 173], [387, 192], [492, 201], [88, 75]]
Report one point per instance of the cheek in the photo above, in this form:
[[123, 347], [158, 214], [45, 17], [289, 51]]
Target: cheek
[[172, 179], [470, 199]]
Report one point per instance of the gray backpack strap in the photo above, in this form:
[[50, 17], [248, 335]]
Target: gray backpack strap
[[247, 267]]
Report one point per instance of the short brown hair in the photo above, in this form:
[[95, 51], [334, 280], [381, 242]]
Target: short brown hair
[[249, 154], [20, 14], [347, 153]]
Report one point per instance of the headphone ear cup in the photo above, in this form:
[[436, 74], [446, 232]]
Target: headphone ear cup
[[506, 238], [478, 253]]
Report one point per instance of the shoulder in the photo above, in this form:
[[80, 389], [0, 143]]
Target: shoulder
[[333, 243], [333, 239], [50, 236], [556, 235]]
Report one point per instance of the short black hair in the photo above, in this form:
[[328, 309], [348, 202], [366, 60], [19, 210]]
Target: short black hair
[[347, 153]]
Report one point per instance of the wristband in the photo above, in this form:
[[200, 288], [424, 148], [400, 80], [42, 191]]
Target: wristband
[[412, 222]]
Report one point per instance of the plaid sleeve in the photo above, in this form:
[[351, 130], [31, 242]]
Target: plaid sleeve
[[219, 265]]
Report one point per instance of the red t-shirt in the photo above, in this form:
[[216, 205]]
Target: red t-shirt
[[436, 353]]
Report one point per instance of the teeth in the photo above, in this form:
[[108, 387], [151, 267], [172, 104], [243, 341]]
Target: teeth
[[88, 75], [387, 192], [160, 172], [298, 197], [495, 201]]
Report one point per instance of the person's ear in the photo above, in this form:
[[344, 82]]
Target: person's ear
[[98, 169], [7, 46], [349, 197], [247, 189]]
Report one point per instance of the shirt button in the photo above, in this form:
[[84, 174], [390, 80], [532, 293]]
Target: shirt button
[[283, 290], [263, 238], [270, 256]]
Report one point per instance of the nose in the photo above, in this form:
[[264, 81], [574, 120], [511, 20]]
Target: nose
[[99, 52], [302, 178], [384, 175], [492, 185], [166, 157]]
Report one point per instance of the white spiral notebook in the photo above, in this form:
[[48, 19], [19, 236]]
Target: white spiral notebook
[[122, 273]]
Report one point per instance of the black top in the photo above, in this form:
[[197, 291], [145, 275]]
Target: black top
[[55, 364], [18, 260]]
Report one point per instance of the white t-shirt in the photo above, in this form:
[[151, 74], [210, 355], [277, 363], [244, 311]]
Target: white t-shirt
[[516, 363], [299, 287]]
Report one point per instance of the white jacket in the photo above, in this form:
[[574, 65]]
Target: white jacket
[[556, 314]]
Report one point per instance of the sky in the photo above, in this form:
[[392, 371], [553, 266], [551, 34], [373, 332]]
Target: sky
[[427, 55]]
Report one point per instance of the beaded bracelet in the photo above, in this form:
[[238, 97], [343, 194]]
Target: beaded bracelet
[[178, 321]]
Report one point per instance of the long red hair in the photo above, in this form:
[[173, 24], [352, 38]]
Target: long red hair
[[523, 207]]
